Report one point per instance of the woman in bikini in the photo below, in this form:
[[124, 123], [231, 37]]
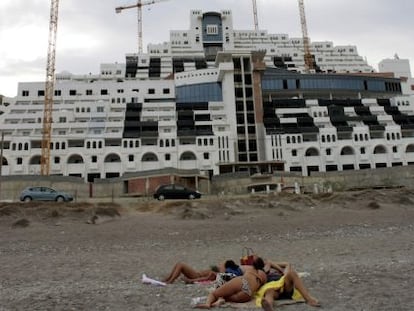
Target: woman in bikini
[[190, 275], [238, 289], [284, 289]]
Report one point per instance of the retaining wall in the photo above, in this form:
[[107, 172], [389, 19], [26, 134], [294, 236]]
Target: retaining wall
[[11, 186]]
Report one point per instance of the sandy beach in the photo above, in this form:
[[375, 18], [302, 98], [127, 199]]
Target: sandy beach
[[356, 247]]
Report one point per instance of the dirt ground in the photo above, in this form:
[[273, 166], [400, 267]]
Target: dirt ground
[[357, 248]]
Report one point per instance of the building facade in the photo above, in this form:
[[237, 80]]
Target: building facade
[[217, 100]]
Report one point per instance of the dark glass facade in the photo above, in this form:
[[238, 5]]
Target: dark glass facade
[[196, 93]]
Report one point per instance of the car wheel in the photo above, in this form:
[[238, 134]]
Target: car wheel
[[191, 197], [161, 197], [27, 199], [60, 199]]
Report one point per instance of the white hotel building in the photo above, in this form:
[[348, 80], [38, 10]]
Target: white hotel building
[[218, 100]]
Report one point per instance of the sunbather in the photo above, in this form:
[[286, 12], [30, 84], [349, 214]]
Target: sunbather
[[190, 275], [284, 288], [238, 289]]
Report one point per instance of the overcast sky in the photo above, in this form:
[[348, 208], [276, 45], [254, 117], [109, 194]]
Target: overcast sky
[[91, 33]]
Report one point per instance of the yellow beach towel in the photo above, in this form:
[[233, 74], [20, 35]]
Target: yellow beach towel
[[276, 285]]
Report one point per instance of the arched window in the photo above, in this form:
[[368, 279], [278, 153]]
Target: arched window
[[4, 161], [188, 156], [347, 151], [312, 152], [35, 160], [410, 149], [380, 150], [149, 157], [112, 157], [75, 159]]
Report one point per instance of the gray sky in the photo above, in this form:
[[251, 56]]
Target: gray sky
[[91, 33]]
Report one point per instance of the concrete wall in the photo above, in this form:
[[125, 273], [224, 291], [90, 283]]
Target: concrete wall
[[329, 181], [11, 186]]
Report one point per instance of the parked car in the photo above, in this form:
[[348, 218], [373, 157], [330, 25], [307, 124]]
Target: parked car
[[44, 194], [175, 192]]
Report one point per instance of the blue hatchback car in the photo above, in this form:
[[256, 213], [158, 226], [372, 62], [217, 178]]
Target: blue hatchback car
[[44, 194]]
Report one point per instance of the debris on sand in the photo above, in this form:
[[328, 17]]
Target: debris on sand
[[373, 205], [21, 223], [102, 214]]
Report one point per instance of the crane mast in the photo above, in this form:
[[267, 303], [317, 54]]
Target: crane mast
[[139, 6], [256, 22], [306, 45], [49, 89]]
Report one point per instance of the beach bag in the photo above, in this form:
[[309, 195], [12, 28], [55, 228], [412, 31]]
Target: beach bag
[[247, 257]]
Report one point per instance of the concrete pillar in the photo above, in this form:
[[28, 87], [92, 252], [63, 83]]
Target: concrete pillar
[[297, 188], [279, 187], [315, 189]]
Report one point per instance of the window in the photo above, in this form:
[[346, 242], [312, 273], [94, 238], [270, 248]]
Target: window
[[294, 153], [40, 93], [206, 156], [58, 93], [212, 29], [362, 150], [19, 161], [62, 119], [166, 91], [167, 157], [104, 92], [94, 159], [328, 151], [100, 109], [57, 160], [88, 92], [131, 158], [119, 90], [25, 93], [151, 91], [72, 92]]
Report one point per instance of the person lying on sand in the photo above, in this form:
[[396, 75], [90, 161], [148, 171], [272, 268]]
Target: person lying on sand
[[190, 275], [284, 288], [275, 270], [238, 289]]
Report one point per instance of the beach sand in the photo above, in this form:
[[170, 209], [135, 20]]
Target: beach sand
[[357, 249]]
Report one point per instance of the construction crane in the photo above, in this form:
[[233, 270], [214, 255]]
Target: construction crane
[[309, 65], [256, 22], [49, 89], [139, 6]]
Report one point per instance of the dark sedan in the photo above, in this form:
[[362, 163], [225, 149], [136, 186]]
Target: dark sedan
[[176, 192]]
